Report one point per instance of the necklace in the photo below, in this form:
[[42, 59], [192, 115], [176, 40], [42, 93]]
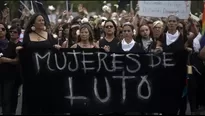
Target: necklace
[[85, 45], [40, 36]]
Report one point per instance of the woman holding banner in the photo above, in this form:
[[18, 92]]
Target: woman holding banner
[[128, 44], [86, 38], [110, 41], [173, 42], [36, 36], [144, 39]]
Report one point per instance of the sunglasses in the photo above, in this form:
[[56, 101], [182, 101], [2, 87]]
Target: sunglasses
[[109, 26], [3, 29], [13, 31]]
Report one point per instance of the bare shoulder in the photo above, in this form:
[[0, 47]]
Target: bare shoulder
[[96, 45], [74, 46], [64, 45]]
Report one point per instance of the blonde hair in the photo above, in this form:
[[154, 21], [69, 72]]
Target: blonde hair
[[158, 22]]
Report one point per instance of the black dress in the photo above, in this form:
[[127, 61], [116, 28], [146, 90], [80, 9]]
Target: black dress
[[37, 95], [175, 76]]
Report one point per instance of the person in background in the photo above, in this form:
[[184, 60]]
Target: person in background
[[15, 32], [98, 30], [16, 22], [202, 53], [58, 33], [65, 35], [9, 68], [158, 29], [73, 36]]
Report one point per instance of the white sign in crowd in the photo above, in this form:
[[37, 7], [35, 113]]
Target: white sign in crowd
[[165, 8]]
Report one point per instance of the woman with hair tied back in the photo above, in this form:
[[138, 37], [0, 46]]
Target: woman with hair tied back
[[173, 42], [128, 44]]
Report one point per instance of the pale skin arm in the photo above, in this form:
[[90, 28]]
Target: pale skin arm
[[97, 44], [8, 60], [64, 45], [74, 46]]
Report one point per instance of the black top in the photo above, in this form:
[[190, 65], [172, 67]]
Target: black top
[[135, 49], [79, 47], [113, 44], [10, 71], [178, 45], [150, 47], [39, 44]]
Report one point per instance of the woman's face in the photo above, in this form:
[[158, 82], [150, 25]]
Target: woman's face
[[2, 31], [109, 28], [172, 23], [39, 23], [127, 32], [84, 34], [14, 34], [157, 30], [145, 31], [66, 31]]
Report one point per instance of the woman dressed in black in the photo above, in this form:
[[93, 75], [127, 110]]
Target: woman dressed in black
[[109, 42], [9, 68], [144, 39], [173, 42], [128, 44], [36, 36]]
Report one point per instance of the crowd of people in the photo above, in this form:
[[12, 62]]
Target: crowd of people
[[117, 32]]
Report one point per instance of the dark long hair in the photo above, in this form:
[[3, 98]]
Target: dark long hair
[[115, 26], [7, 31], [32, 21]]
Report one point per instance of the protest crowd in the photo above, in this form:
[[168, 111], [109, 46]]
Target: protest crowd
[[124, 31]]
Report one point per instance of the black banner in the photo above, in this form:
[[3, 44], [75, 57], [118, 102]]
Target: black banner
[[93, 81]]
